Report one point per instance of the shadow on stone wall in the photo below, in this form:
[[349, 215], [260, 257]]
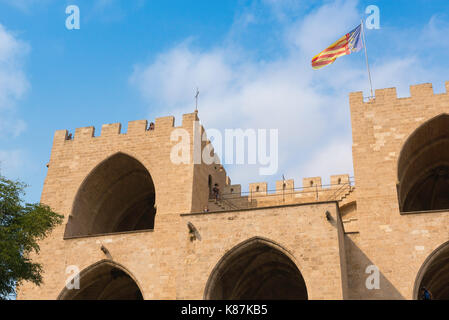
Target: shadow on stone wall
[[357, 263]]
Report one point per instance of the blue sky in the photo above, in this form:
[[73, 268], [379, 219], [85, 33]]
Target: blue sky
[[251, 60]]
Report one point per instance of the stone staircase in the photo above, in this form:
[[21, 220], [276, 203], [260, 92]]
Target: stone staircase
[[220, 205], [238, 203], [346, 194], [342, 193], [227, 204]]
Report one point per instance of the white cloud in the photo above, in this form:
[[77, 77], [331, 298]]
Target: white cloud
[[13, 86], [324, 26], [333, 158], [436, 31], [11, 162], [106, 11], [310, 108], [13, 83], [25, 6], [284, 10]]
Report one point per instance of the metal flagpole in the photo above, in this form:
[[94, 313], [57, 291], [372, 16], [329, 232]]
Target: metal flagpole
[[283, 188], [196, 99], [366, 56]]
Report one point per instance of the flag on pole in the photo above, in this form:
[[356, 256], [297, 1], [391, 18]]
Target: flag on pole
[[349, 43]]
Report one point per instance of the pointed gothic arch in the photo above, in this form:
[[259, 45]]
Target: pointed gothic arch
[[423, 167], [434, 274], [104, 280], [118, 195], [256, 269]]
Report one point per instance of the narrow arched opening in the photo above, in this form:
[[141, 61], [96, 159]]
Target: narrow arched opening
[[433, 276], [117, 196], [209, 185], [256, 269], [423, 168], [103, 281]]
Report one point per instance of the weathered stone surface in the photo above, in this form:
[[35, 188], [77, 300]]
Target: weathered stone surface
[[325, 235]]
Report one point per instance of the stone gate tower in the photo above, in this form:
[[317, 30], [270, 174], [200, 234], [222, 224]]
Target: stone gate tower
[[401, 168], [135, 224]]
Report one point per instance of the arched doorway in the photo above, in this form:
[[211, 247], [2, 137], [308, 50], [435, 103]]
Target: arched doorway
[[423, 168], [209, 185], [257, 269], [104, 280], [434, 274], [118, 195]]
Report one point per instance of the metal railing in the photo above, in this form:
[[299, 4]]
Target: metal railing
[[314, 193]]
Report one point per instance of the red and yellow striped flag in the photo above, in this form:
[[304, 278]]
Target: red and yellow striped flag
[[350, 42]]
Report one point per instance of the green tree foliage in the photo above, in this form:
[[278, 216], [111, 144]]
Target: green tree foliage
[[22, 225]]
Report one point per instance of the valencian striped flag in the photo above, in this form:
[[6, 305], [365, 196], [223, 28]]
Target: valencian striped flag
[[351, 42]]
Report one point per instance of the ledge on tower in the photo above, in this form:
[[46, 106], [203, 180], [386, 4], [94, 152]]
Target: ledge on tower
[[136, 127], [423, 90]]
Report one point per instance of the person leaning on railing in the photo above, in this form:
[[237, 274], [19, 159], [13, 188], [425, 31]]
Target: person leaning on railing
[[425, 294], [216, 192]]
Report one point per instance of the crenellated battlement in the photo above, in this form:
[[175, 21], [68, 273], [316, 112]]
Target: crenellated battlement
[[419, 91], [136, 141], [311, 184], [259, 195], [172, 236], [162, 125], [170, 159]]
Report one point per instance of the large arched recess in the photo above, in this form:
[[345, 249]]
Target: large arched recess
[[104, 280], [434, 274], [256, 269], [423, 167], [118, 195]]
